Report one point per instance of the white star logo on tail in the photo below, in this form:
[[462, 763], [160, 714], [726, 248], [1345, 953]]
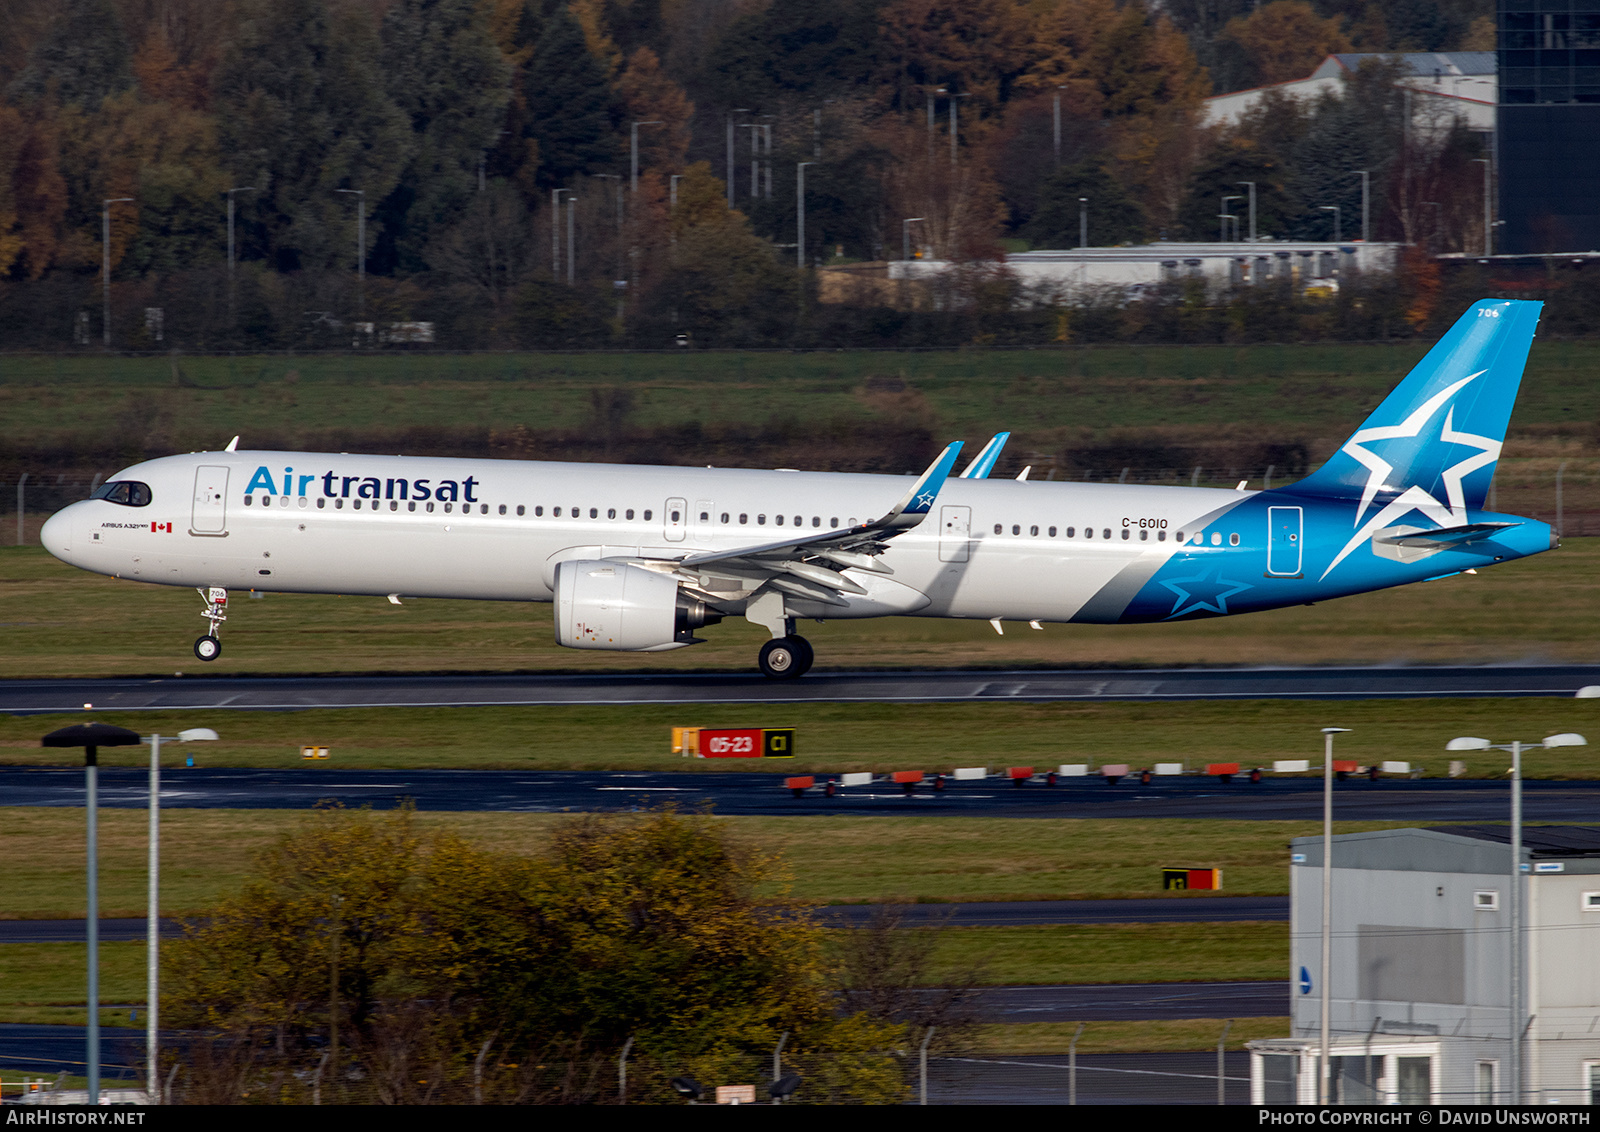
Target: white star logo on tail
[[1413, 498]]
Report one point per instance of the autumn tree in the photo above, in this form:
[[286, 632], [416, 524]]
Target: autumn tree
[[82, 57], [647, 94], [366, 960], [1279, 42]]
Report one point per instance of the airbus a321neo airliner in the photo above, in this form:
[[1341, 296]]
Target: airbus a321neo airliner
[[641, 558]]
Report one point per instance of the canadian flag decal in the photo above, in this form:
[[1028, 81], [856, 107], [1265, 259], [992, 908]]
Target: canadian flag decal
[[167, 527]]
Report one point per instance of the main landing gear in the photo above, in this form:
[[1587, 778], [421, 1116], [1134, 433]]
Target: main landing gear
[[786, 658], [209, 647]]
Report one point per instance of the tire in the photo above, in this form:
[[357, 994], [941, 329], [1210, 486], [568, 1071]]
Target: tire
[[208, 648], [804, 656], [780, 660]]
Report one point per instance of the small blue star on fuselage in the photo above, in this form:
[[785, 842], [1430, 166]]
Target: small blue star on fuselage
[[1205, 592]]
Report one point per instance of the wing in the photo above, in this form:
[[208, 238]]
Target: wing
[[983, 463], [809, 566]]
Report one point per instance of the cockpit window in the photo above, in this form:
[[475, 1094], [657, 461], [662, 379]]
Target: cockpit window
[[129, 493]]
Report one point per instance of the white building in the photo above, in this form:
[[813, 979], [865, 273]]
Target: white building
[[1455, 83], [1220, 265], [1421, 970]]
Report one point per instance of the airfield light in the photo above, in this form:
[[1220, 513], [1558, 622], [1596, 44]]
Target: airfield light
[[1472, 743]]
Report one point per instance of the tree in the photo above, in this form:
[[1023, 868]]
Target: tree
[[568, 101], [647, 94], [974, 47], [800, 48], [1281, 41], [82, 57], [302, 113], [442, 69], [1114, 216], [366, 960]]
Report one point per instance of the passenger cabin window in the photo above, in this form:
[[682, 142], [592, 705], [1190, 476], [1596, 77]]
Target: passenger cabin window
[[129, 493], [594, 512], [1016, 529], [556, 511], [521, 510], [322, 503], [429, 507], [503, 508], [1088, 532], [778, 519], [611, 512], [761, 520], [998, 529], [412, 506], [744, 519], [1124, 534], [724, 518], [675, 516], [1106, 533], [647, 516], [833, 522], [816, 520], [1233, 540], [1072, 532], [1034, 531], [628, 514], [1052, 532]]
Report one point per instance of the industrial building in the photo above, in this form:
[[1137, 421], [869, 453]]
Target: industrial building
[[1421, 969]]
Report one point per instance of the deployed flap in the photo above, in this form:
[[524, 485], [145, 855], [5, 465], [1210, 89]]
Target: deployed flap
[[983, 463]]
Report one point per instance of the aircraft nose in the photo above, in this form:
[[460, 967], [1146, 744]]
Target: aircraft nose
[[56, 534]]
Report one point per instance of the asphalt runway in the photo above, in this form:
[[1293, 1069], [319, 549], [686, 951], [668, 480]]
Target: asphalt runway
[[293, 693], [752, 793]]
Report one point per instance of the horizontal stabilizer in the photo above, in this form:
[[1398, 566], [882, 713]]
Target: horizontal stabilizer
[[1443, 536]]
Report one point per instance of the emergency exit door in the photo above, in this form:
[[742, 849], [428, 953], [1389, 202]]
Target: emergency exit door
[[955, 529]]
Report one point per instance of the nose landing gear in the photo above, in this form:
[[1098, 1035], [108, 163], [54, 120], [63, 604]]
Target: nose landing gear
[[209, 647]]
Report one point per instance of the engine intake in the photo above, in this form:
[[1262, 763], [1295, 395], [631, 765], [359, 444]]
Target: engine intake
[[612, 605]]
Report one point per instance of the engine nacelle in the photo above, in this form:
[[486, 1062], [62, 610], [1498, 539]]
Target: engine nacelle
[[612, 605]]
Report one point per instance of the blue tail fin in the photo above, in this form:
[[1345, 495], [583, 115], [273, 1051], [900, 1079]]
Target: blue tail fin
[[1434, 441]]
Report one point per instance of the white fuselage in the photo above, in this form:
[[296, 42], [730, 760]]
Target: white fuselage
[[496, 529]]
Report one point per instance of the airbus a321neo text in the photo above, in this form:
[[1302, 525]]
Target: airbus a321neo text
[[643, 558]]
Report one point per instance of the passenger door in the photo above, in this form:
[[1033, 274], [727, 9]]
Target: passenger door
[[209, 515], [1284, 545]]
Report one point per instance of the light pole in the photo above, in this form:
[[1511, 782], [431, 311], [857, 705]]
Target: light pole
[[1518, 962], [1333, 208], [361, 247], [91, 737], [954, 126], [731, 113], [905, 236], [1488, 227], [105, 273], [1252, 185], [1083, 222], [1366, 217], [555, 233], [633, 181], [932, 94], [153, 913], [1057, 124], [229, 194], [1323, 1071], [1223, 217], [572, 227], [800, 225]]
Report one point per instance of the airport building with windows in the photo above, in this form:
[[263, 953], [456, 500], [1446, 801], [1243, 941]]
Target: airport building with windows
[[1421, 970]]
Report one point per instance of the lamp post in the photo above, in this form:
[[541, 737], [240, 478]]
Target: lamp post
[[932, 94], [91, 737], [1333, 208], [1518, 961], [105, 273], [800, 218], [231, 261], [153, 912], [954, 126], [555, 233], [905, 235], [1223, 217], [361, 247], [1057, 125], [1083, 222], [633, 181], [1324, 1071], [731, 113], [572, 230], [1488, 227], [1252, 185], [1366, 216]]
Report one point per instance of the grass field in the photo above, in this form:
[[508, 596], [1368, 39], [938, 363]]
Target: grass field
[[56, 620], [206, 853], [1322, 386], [832, 738]]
